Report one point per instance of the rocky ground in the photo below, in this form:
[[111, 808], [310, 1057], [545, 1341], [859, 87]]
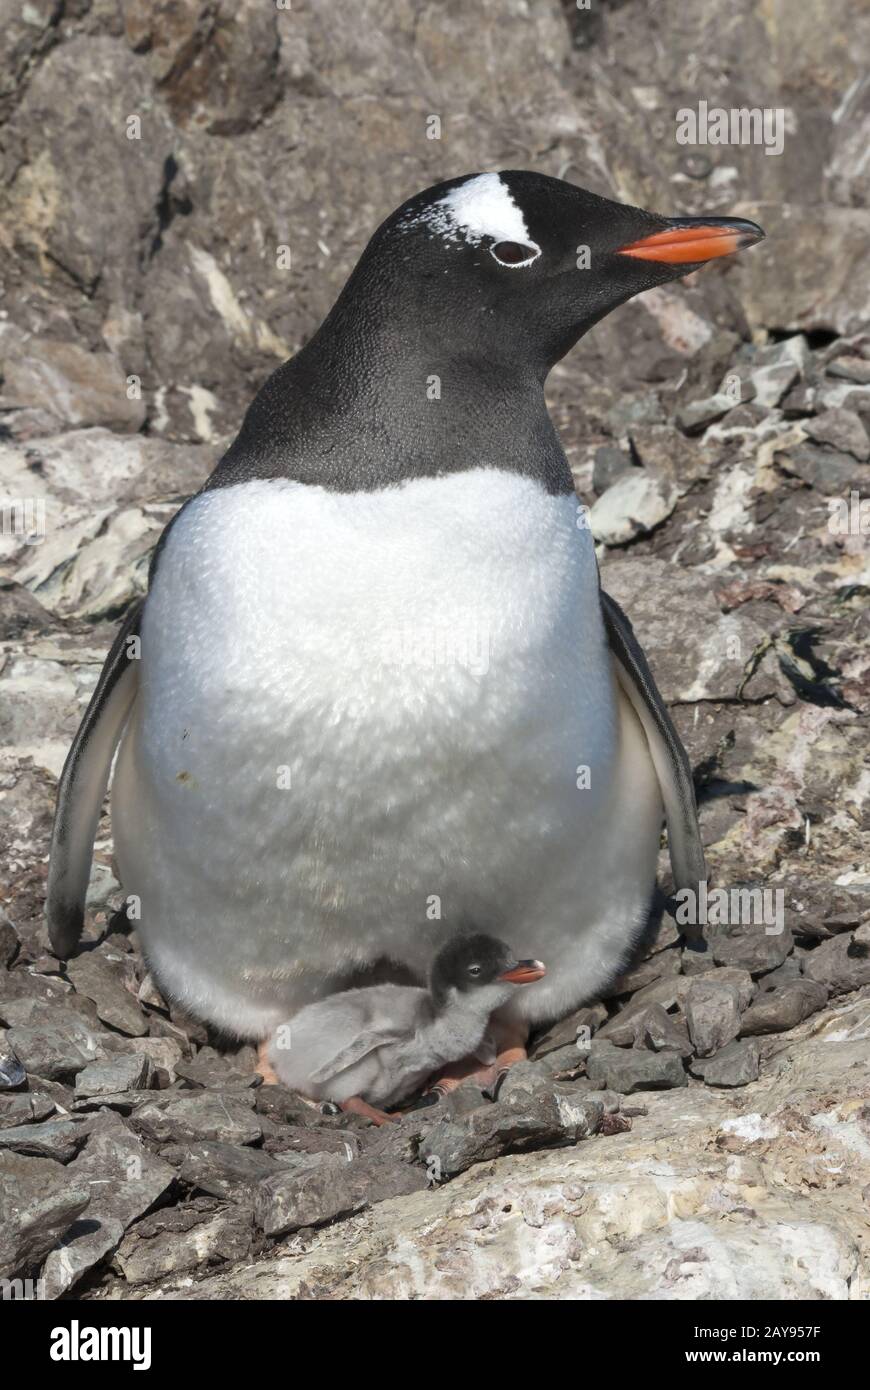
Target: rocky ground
[[704, 1132]]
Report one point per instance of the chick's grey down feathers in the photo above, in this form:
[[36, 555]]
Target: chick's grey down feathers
[[383, 1042]]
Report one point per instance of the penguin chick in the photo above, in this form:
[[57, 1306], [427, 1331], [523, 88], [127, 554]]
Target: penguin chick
[[373, 1047]]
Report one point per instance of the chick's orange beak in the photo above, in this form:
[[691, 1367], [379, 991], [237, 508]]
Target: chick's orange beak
[[525, 972], [693, 240]]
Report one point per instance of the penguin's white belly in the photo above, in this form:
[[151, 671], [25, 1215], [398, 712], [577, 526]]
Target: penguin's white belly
[[364, 720]]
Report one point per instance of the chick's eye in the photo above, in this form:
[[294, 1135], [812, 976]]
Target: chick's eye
[[474, 971], [515, 253]]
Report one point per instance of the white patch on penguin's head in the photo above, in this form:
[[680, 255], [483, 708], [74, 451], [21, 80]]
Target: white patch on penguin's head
[[481, 206]]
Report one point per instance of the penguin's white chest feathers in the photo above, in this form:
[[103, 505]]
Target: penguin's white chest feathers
[[362, 719]]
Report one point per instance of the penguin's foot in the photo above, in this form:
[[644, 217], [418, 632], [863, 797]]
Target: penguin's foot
[[357, 1106], [264, 1067], [469, 1069], [509, 1039]]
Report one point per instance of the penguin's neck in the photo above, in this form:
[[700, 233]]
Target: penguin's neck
[[376, 398], [459, 1023]]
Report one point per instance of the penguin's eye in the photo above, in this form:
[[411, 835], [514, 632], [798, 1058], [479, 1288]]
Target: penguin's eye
[[474, 971], [514, 253]]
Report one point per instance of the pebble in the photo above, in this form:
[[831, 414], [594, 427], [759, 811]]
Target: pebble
[[126, 1072], [39, 1201], [199, 1115], [628, 1070], [331, 1188], [843, 963], [712, 1013], [779, 1009], [750, 949], [736, 1065]]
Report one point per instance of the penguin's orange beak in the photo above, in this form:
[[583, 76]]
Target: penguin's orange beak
[[693, 240], [525, 972]]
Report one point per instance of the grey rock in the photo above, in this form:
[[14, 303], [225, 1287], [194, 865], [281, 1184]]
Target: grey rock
[[659, 596], [736, 1065], [636, 504], [741, 980], [465, 1098], [149, 994], [817, 288], [658, 966], [697, 415], [210, 1068], [123, 1177], [39, 1201], [696, 958], [233, 80], [824, 469], [284, 1106], [127, 1072], [660, 1031], [125, 1102], [223, 1170], [850, 368], [669, 992], [789, 970], [8, 934], [332, 1188], [23, 1108], [525, 1079], [330, 1135], [712, 1013], [773, 382], [84, 388], [516, 1124], [200, 1115], [567, 1061], [163, 1054], [100, 978], [739, 385], [27, 34], [799, 401], [179, 1239], [667, 453], [629, 1070], [59, 1048], [785, 1007], [577, 1026], [843, 963], [22, 986], [843, 430], [610, 462], [84, 1245], [635, 408], [750, 949], [12, 1072], [59, 1139]]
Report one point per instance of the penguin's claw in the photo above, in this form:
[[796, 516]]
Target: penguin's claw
[[510, 1046], [469, 1069]]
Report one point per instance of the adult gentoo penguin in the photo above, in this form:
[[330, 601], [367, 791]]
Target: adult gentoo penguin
[[375, 651]]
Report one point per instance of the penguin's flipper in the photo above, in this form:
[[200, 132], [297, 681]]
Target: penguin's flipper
[[354, 1051], [668, 754], [82, 787]]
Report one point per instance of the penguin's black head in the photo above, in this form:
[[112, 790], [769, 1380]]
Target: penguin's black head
[[471, 962], [519, 266]]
